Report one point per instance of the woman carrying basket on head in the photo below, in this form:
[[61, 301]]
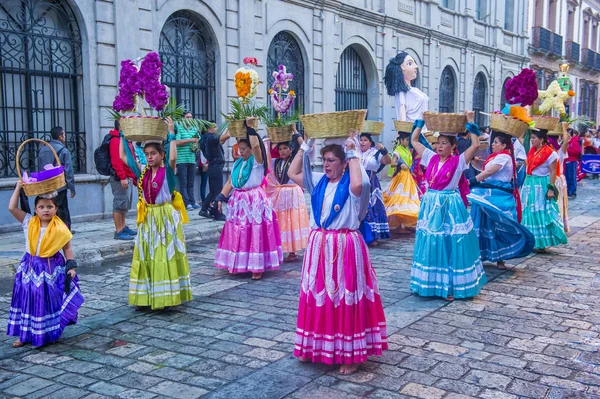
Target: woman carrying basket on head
[[250, 241], [401, 198], [288, 202], [160, 273], [372, 156], [496, 206], [539, 195], [446, 260], [340, 315]]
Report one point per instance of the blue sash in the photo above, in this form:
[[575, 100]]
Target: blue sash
[[340, 197]]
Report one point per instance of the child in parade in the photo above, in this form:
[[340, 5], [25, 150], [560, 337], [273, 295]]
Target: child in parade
[[288, 203], [46, 294], [496, 206], [340, 315], [539, 195], [372, 156], [446, 261], [401, 198], [561, 180], [250, 241], [160, 273]]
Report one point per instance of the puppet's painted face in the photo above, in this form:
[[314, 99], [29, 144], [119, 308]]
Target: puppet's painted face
[[409, 68]]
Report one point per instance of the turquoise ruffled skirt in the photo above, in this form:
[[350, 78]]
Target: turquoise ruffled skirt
[[541, 215], [446, 260], [494, 214]]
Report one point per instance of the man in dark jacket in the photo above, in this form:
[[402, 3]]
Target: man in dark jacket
[[46, 157], [212, 148]]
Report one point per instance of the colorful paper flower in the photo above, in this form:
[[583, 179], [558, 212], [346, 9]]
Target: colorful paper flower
[[522, 89], [282, 78], [246, 80], [553, 98]]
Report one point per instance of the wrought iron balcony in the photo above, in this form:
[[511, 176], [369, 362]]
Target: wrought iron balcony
[[597, 62], [588, 58], [557, 44], [572, 51], [542, 39]]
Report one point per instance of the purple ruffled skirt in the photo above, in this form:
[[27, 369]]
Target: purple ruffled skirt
[[40, 310]]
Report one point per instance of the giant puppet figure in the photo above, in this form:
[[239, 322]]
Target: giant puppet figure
[[410, 101]]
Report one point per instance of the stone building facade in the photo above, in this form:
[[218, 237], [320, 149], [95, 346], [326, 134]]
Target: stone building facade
[[566, 31], [337, 50]]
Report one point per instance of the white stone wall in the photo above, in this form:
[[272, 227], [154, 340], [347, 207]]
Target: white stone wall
[[114, 30]]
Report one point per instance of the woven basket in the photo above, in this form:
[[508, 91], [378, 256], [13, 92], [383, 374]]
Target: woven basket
[[507, 124], [546, 122], [404, 127], [238, 129], [557, 131], [143, 128], [374, 128], [445, 123], [431, 138], [280, 134], [333, 124], [45, 186]]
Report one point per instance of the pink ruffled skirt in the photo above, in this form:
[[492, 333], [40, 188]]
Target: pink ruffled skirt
[[340, 315], [250, 240]]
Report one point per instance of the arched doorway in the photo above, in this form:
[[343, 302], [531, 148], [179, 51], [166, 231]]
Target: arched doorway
[[187, 51], [40, 80], [351, 82], [447, 91], [480, 99], [284, 49]]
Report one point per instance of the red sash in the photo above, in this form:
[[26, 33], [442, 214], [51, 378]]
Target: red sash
[[536, 158]]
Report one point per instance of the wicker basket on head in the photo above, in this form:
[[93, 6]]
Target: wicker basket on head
[[373, 128], [507, 124], [404, 127], [238, 129], [142, 128], [333, 124], [280, 134], [446, 123], [431, 138], [545, 122], [557, 131], [44, 186]]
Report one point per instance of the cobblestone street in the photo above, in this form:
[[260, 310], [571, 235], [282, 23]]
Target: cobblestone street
[[532, 333]]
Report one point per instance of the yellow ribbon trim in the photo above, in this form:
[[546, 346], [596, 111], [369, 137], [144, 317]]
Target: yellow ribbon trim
[[57, 235], [179, 205]]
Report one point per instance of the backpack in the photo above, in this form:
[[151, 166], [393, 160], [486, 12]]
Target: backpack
[[102, 157]]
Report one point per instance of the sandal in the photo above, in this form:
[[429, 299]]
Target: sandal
[[291, 257], [18, 344], [501, 265], [347, 369], [256, 276], [449, 298]]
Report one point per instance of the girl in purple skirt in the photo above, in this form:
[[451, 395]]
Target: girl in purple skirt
[[46, 295]]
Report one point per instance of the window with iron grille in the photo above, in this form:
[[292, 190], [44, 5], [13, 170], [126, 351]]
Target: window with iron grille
[[447, 91], [480, 99], [351, 82], [284, 50], [40, 80], [503, 93], [187, 52]]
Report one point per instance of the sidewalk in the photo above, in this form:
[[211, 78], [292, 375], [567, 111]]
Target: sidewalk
[[93, 242]]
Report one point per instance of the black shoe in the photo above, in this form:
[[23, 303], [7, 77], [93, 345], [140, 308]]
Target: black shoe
[[204, 213], [220, 218]]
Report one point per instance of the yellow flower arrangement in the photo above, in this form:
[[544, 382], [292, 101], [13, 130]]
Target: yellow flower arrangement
[[554, 98], [243, 83]]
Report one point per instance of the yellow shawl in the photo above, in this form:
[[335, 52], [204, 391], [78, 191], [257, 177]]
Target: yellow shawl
[[57, 235]]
